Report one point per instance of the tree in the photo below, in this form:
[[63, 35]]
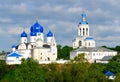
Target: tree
[[3, 69], [59, 49], [64, 52], [95, 73], [113, 67], [117, 77], [29, 71], [114, 64], [80, 59], [116, 58]]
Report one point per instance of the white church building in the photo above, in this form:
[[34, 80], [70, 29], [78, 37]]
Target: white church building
[[84, 43], [36, 48]]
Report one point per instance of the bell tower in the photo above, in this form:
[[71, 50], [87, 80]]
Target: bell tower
[[83, 38], [83, 27]]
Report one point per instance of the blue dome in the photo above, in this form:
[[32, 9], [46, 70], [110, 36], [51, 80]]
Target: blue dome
[[36, 28], [83, 15], [89, 38], [32, 29], [13, 46], [32, 33], [49, 34], [23, 34], [83, 19]]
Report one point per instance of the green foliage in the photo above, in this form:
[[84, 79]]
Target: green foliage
[[64, 52], [114, 64], [9, 77], [80, 58], [3, 68], [117, 78], [78, 70], [116, 58], [29, 71], [117, 48], [96, 73]]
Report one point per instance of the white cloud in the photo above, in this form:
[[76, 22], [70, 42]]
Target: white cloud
[[5, 20], [75, 9]]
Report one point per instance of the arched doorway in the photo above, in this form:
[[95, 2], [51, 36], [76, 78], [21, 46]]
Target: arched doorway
[[48, 58], [80, 43]]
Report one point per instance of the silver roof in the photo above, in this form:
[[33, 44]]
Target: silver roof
[[93, 49]]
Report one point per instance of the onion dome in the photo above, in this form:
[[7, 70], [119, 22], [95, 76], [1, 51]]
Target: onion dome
[[36, 28], [32, 33], [13, 46], [23, 34], [83, 15], [49, 34], [83, 19]]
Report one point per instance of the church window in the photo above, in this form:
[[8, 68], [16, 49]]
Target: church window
[[89, 43], [83, 31], [40, 57], [48, 58], [53, 53], [40, 53], [86, 31], [80, 43], [80, 31]]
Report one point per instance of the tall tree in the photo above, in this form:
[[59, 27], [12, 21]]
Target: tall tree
[[29, 71]]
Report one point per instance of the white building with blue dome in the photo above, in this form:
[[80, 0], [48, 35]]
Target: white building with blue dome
[[36, 48], [84, 43], [83, 38]]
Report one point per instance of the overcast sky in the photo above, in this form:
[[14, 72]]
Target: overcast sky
[[62, 18]]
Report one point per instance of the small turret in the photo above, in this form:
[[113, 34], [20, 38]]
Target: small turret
[[13, 48], [83, 18], [49, 37], [23, 37]]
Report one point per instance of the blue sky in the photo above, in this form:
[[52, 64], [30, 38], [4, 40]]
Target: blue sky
[[62, 18]]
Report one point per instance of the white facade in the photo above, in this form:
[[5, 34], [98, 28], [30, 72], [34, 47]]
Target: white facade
[[94, 54], [86, 44], [36, 48]]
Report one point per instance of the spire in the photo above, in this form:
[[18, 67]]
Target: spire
[[23, 28], [36, 18], [83, 18]]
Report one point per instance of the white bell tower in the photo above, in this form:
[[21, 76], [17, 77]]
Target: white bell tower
[[83, 27], [83, 39]]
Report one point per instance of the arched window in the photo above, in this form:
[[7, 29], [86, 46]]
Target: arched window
[[86, 31], [89, 43], [83, 31], [48, 58], [80, 43]]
